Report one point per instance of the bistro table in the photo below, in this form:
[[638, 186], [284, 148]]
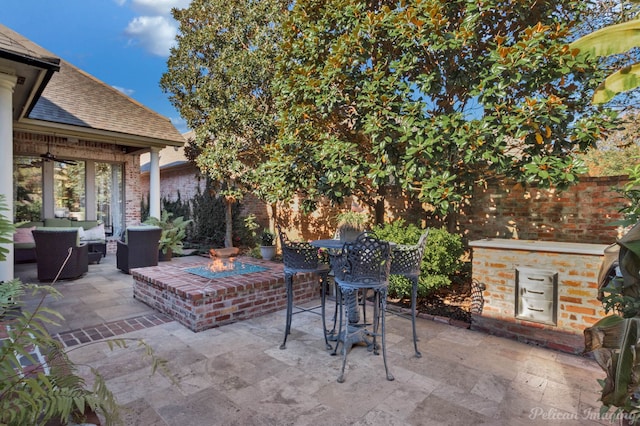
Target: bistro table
[[336, 245], [351, 302]]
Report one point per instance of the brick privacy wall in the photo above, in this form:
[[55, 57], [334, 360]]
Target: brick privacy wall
[[577, 306], [502, 210], [33, 144], [186, 179], [201, 303], [578, 214]]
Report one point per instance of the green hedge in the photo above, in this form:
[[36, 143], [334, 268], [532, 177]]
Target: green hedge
[[441, 261]]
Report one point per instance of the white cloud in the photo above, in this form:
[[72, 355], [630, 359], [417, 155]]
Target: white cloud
[[180, 124], [128, 92], [154, 33], [155, 29], [158, 7]]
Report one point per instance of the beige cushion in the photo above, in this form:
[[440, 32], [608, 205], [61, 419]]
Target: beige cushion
[[92, 234], [24, 235]]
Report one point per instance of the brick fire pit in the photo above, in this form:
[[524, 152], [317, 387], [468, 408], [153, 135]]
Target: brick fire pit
[[201, 303]]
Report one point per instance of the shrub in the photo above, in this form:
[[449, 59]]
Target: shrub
[[208, 218], [441, 261], [179, 208]]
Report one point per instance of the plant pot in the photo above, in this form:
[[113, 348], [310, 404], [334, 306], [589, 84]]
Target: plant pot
[[348, 234], [268, 252], [165, 257]]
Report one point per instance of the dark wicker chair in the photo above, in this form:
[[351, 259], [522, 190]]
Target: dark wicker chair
[[363, 265], [301, 258], [407, 260], [52, 248], [140, 248]]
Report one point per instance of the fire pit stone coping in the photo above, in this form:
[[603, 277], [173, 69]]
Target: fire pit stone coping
[[200, 303]]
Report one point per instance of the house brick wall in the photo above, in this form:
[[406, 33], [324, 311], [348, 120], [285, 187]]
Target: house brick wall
[[27, 143], [184, 180]]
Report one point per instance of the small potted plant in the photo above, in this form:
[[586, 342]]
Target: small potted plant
[[351, 224], [173, 233], [267, 248]]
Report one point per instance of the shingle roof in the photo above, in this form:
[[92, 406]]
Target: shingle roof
[[76, 98], [11, 41]]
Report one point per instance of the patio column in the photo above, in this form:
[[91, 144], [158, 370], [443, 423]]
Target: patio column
[[154, 183], [7, 83]]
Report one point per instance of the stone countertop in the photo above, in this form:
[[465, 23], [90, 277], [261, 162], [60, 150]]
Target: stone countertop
[[542, 246]]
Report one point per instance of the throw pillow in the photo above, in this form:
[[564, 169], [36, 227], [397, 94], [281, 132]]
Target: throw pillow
[[93, 234], [24, 235]]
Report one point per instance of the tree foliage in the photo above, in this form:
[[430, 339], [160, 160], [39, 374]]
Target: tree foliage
[[616, 39], [429, 98], [219, 77], [614, 155]]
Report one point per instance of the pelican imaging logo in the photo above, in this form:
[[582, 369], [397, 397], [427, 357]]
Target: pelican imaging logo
[[553, 414]]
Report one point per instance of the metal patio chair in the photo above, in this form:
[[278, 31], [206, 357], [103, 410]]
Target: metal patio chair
[[407, 260], [302, 258], [363, 265]]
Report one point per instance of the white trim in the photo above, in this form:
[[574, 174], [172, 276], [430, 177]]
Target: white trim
[[66, 130], [7, 84]]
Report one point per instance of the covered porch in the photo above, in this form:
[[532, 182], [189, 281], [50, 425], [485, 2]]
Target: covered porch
[[71, 144]]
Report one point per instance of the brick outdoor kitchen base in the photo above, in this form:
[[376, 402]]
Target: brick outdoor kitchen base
[[495, 262], [201, 303]]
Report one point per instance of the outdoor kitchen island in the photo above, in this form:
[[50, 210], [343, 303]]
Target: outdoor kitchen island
[[541, 292]]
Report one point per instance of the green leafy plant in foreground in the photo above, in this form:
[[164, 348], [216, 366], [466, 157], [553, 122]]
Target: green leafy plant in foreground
[[614, 339], [49, 390], [613, 40], [38, 381]]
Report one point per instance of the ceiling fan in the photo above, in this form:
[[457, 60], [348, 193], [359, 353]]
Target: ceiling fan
[[48, 156]]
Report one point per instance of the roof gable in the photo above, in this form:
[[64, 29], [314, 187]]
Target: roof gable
[[74, 97], [77, 98]]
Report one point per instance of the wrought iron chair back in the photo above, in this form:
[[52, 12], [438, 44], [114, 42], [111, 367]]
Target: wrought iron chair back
[[301, 258], [365, 263], [298, 256], [407, 259]]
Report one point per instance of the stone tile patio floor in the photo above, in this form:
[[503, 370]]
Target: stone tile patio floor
[[237, 375]]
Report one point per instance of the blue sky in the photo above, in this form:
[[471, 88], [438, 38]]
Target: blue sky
[[124, 43]]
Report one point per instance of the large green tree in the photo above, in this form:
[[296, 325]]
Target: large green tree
[[429, 98], [219, 77]]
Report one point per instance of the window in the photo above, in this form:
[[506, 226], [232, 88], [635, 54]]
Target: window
[[27, 188], [69, 190], [87, 190], [108, 190]]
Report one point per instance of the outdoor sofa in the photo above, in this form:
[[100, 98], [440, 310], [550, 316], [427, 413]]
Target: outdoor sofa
[[91, 232]]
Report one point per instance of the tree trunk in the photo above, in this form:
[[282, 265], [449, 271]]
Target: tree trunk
[[452, 221], [379, 211], [228, 219]]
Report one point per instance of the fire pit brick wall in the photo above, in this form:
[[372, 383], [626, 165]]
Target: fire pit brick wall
[[577, 265], [200, 303]]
